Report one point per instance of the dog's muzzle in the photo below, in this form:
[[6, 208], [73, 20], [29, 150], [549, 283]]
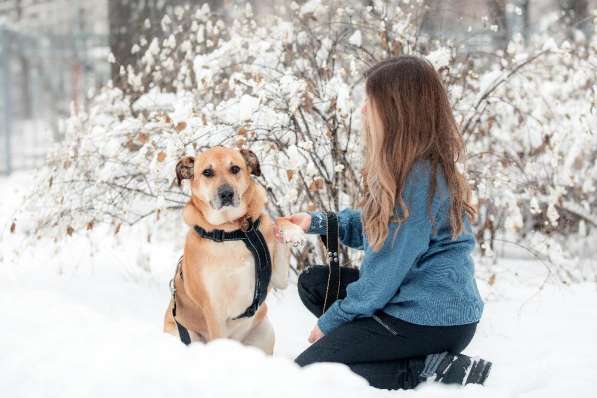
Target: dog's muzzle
[[225, 196]]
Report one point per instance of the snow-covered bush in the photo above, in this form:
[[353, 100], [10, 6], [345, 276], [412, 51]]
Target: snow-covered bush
[[533, 150], [289, 87]]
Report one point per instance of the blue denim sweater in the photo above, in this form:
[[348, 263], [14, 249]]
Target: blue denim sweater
[[423, 276]]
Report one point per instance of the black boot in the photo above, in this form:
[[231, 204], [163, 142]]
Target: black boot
[[456, 369]]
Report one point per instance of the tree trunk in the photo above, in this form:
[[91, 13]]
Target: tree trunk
[[497, 10], [126, 20], [26, 99], [120, 37], [525, 20], [427, 26], [577, 17]]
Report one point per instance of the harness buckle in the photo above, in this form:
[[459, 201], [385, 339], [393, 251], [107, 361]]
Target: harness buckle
[[246, 225]]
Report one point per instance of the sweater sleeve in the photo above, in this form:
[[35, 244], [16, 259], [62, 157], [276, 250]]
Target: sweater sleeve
[[350, 227]]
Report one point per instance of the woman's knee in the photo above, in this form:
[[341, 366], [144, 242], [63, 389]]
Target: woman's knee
[[313, 278], [311, 288]]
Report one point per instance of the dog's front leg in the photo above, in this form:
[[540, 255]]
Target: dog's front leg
[[215, 326], [292, 235], [281, 266]]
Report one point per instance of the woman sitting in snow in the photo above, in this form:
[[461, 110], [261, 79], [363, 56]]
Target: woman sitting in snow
[[414, 305]]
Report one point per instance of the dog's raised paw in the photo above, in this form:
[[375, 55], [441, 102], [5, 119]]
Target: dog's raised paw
[[293, 235]]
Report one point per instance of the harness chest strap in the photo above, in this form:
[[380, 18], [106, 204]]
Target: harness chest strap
[[256, 244]]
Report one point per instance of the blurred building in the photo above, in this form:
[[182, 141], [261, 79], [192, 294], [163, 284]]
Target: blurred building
[[57, 16], [52, 53], [491, 24]]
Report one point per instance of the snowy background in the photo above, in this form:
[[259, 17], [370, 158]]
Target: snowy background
[[75, 324], [99, 101]]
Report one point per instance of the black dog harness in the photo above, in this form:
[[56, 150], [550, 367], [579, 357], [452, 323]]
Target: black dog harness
[[255, 242]]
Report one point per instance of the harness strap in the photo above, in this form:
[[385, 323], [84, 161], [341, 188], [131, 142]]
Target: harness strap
[[332, 291], [185, 337], [183, 333], [256, 244]]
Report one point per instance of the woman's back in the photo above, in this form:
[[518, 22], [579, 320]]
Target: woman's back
[[439, 288]]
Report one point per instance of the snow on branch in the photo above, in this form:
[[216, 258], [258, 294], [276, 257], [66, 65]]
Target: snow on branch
[[290, 90]]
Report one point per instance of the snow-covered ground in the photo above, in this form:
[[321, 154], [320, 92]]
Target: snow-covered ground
[[82, 318]]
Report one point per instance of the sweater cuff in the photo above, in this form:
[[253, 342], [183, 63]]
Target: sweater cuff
[[318, 224], [331, 319]]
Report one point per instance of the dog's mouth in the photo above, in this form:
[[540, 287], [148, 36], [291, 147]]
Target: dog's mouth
[[222, 205], [227, 203]]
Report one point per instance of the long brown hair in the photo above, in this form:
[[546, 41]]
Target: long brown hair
[[408, 118]]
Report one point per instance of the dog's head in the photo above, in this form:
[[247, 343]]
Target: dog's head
[[219, 179]]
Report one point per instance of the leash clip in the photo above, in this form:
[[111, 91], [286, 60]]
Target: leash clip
[[332, 256]]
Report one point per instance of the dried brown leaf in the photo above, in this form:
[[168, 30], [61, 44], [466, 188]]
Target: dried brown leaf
[[491, 280], [578, 163], [133, 147], [143, 137], [240, 142], [290, 174], [316, 185]]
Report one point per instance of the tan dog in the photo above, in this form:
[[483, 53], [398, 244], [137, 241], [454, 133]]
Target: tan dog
[[218, 278]]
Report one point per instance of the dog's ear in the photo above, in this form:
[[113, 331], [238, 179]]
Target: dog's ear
[[185, 169], [252, 161]]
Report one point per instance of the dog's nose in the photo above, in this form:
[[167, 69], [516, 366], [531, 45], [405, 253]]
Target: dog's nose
[[226, 194]]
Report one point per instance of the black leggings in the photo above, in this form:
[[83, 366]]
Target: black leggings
[[388, 352]]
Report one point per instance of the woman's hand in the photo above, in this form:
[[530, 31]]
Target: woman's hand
[[303, 220], [315, 334]]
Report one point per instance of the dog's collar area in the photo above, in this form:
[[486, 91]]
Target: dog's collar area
[[219, 235]]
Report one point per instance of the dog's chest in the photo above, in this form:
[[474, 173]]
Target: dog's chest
[[229, 276]]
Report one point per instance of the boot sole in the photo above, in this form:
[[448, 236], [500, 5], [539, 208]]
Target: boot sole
[[479, 372]]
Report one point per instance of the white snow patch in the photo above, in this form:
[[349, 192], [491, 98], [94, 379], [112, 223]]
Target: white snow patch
[[440, 57], [356, 38], [78, 324], [488, 80]]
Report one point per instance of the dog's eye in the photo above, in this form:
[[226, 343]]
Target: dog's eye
[[208, 173], [234, 169]]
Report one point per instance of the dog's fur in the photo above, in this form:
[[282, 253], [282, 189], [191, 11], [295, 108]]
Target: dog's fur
[[219, 277]]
